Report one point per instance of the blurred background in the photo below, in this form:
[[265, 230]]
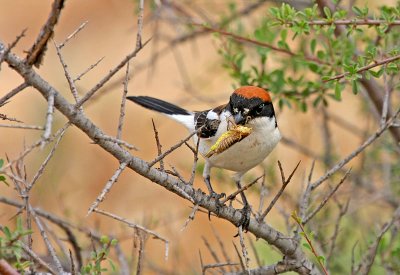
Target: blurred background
[[186, 72]]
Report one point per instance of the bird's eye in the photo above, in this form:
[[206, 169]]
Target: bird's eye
[[260, 108]]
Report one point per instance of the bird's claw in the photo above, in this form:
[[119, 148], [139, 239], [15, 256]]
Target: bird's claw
[[217, 198], [245, 220]]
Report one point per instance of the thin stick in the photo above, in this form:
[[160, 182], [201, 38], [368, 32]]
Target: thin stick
[[139, 267], [38, 49], [71, 83], [49, 120], [173, 148], [357, 151], [107, 187], [258, 43], [19, 126], [221, 245], [6, 268], [72, 35], [13, 92], [325, 200], [45, 162], [136, 226], [49, 246], [244, 249], [140, 25], [195, 160], [240, 257], [88, 69], [123, 101], [314, 252], [212, 251], [159, 146], [9, 48], [365, 68], [119, 141], [106, 78], [247, 186], [285, 182], [191, 217]]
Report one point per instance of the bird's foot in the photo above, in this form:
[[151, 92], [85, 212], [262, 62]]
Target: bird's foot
[[245, 220], [217, 198]]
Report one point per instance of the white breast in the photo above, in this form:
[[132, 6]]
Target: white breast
[[247, 153]]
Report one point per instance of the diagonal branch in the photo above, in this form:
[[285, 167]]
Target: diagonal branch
[[38, 49]]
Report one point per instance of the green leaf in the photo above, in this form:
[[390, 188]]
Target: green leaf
[[306, 245], [1, 162], [114, 242], [104, 239], [321, 259], [354, 86], [313, 45], [338, 91], [327, 12], [7, 232], [314, 67]]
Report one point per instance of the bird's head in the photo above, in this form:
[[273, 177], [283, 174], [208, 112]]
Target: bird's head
[[250, 102]]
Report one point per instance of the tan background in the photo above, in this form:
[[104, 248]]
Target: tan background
[[79, 169]]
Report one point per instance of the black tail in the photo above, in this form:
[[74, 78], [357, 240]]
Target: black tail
[[158, 105]]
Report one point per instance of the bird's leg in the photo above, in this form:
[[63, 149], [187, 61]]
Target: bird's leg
[[217, 197], [246, 210]]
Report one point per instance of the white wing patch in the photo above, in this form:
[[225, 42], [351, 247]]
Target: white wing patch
[[186, 120], [212, 115]]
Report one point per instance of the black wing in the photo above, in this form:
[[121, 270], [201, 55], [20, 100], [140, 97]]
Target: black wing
[[208, 127]]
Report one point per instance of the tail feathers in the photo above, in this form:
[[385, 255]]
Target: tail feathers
[[158, 105]]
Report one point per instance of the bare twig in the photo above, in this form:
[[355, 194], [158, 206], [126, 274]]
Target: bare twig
[[244, 249], [222, 246], [4, 51], [4, 117], [217, 265], [140, 25], [6, 268], [119, 142], [195, 159], [211, 249], [136, 226], [71, 82], [191, 217], [369, 257], [38, 49], [314, 252], [173, 148], [19, 126], [12, 93], [106, 78], [285, 182], [88, 69], [46, 161], [240, 190], [49, 246], [343, 211], [142, 240], [353, 154], [255, 252], [49, 120], [72, 35], [325, 200], [107, 188], [258, 43], [123, 101], [365, 68], [242, 264], [159, 146]]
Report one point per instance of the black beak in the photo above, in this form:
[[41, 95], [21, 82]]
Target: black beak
[[239, 119]]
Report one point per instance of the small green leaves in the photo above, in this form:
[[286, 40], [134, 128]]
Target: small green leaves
[[94, 266]]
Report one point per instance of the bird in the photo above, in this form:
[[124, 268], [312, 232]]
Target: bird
[[250, 106]]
